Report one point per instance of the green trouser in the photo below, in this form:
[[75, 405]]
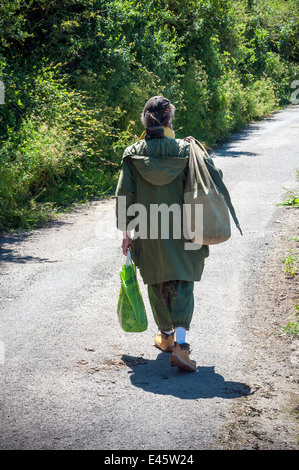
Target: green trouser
[[180, 305]]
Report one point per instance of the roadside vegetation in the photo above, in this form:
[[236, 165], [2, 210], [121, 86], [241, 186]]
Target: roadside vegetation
[[77, 75], [290, 263]]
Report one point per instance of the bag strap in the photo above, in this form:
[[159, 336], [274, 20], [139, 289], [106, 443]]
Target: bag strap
[[215, 175], [129, 261], [199, 173]]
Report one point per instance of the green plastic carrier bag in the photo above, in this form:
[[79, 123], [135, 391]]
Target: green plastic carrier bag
[[130, 309]]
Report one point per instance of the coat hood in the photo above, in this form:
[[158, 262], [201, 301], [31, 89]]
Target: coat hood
[[159, 161]]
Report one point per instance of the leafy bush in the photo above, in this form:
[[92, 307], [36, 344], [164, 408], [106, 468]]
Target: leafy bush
[[56, 153]]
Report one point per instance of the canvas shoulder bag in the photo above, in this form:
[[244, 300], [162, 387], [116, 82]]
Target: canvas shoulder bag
[[205, 188]]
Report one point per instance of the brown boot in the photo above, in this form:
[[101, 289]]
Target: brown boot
[[164, 342], [180, 358]]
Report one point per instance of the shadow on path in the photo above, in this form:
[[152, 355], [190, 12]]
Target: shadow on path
[[221, 153], [9, 247], [157, 376], [226, 147]]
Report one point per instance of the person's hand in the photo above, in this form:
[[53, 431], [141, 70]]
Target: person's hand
[[127, 243], [189, 139]]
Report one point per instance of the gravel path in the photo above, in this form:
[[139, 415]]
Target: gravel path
[[71, 379]]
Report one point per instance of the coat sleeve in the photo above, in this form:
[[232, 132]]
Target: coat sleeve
[[125, 194]]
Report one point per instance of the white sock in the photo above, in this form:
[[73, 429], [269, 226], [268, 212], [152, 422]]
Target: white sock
[[168, 332], [180, 335]]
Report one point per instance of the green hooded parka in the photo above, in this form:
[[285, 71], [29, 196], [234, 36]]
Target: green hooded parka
[[151, 185]]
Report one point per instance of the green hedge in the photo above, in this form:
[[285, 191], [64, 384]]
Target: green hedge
[[77, 75]]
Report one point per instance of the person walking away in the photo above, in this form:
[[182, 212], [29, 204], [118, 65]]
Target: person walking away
[[152, 179]]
